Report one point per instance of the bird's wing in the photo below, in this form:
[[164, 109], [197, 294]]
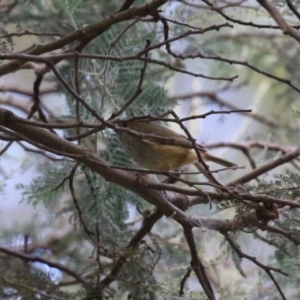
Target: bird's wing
[[172, 137]]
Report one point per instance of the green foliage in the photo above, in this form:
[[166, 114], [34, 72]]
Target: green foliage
[[57, 16], [226, 205], [286, 253], [69, 6], [156, 267], [49, 185], [115, 83], [104, 203], [106, 86], [16, 281], [137, 278], [6, 42], [296, 113]]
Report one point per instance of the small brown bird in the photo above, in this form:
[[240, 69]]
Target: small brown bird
[[158, 154]]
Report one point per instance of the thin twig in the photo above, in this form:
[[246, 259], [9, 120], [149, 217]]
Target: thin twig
[[138, 90], [197, 265], [49, 263]]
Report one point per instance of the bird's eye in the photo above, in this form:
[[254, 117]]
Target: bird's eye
[[124, 124]]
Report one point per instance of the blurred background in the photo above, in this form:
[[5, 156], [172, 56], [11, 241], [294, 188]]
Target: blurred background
[[37, 212]]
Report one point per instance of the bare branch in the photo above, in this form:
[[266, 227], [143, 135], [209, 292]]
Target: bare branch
[[270, 166], [275, 14], [267, 269], [51, 264], [196, 264]]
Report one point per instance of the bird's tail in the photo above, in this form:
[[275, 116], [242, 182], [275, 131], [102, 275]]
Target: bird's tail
[[218, 160]]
